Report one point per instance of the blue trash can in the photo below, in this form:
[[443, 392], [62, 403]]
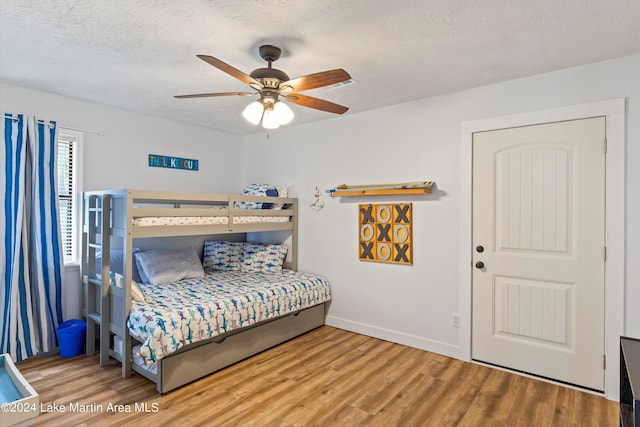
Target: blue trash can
[[71, 336]]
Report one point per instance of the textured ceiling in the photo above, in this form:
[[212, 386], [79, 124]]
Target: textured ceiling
[[137, 54]]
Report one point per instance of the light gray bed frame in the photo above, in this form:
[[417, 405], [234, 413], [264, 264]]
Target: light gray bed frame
[[109, 217]]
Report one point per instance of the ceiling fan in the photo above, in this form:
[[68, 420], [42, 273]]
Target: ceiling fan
[[272, 84]]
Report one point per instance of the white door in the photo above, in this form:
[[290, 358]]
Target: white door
[[538, 250]]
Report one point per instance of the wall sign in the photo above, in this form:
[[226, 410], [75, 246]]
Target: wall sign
[[385, 233], [159, 161]]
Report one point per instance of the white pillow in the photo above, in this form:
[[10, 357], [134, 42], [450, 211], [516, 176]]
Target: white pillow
[[168, 266], [117, 262], [136, 292]]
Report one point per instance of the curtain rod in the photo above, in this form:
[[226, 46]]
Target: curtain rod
[[95, 132], [15, 119]]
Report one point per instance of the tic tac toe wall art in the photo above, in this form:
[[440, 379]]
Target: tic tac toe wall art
[[385, 233]]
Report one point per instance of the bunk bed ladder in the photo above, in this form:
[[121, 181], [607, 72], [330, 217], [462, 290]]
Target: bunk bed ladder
[[97, 220]]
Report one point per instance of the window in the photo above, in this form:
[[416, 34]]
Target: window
[[69, 188]]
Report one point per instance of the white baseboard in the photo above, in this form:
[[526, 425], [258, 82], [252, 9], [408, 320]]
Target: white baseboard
[[395, 336]]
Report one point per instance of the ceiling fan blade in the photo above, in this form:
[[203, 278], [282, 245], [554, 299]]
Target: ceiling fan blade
[[318, 104], [234, 72], [206, 95], [312, 81]]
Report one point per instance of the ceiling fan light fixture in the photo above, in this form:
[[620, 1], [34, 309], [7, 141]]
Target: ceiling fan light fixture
[[270, 119], [253, 112], [270, 112], [283, 113]]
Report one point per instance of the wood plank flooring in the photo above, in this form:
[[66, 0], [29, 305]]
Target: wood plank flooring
[[328, 377]]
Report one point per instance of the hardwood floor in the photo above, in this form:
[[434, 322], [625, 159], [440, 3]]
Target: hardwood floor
[[328, 377]]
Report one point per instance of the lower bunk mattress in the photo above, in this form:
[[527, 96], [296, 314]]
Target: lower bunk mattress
[[191, 310]]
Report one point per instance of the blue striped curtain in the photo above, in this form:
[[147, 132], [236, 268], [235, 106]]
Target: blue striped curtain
[[31, 255]]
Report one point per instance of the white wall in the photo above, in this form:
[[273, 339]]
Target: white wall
[[119, 159], [421, 141]]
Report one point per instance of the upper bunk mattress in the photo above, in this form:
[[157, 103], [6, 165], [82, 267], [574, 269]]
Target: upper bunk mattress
[[205, 220], [177, 314]]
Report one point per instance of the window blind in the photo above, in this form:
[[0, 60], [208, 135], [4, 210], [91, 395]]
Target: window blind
[[65, 195]]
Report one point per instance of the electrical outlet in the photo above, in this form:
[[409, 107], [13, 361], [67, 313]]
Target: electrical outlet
[[456, 320]]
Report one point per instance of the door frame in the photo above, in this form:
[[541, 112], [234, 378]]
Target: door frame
[[614, 111]]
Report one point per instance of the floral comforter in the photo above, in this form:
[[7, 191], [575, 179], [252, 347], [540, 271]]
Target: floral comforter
[[175, 315]]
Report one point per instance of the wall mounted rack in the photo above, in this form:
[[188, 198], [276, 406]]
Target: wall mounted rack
[[404, 188]]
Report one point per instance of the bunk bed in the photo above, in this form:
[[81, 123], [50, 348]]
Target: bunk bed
[[114, 218]]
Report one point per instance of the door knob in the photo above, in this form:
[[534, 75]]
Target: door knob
[[480, 248], [480, 265]]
